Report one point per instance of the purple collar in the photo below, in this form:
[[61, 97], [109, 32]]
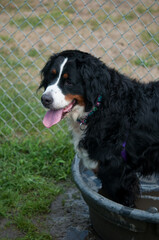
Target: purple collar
[[123, 152]]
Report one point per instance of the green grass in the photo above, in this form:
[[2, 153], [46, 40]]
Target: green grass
[[31, 168], [6, 38], [93, 24], [154, 9], [150, 36], [117, 18], [30, 171], [145, 62], [56, 16], [140, 9], [17, 97], [37, 21], [33, 53], [130, 16], [149, 60], [22, 22]]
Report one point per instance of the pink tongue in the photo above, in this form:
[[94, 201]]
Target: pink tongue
[[52, 117]]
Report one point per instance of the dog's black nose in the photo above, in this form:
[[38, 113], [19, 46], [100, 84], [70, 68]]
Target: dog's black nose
[[46, 100]]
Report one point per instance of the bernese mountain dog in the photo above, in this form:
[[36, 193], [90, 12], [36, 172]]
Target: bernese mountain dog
[[114, 119]]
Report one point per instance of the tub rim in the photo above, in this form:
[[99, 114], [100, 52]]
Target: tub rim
[[106, 203]]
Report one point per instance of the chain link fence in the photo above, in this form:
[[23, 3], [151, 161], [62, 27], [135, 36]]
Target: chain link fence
[[125, 34]]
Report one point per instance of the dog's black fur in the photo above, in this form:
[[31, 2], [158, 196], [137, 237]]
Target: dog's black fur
[[129, 112]]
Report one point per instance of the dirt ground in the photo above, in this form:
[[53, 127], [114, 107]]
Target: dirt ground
[[67, 220]]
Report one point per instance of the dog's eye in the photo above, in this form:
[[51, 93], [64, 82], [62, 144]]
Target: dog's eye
[[68, 82]]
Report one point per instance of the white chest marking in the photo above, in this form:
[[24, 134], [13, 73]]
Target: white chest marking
[[82, 153]]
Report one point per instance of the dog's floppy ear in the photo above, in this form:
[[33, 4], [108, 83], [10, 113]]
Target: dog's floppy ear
[[93, 73], [91, 88]]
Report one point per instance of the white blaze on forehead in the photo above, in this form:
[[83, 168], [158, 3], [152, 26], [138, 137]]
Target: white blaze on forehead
[[58, 79], [56, 93], [61, 70]]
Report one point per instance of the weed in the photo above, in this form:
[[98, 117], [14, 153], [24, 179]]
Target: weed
[[150, 37], [149, 60], [33, 53], [130, 16], [93, 24], [140, 9], [154, 9], [75, 196], [61, 19], [118, 18], [23, 22], [63, 202], [6, 38]]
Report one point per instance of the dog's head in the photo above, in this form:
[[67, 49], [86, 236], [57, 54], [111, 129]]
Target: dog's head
[[72, 81]]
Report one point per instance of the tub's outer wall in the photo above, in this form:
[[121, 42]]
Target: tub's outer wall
[[114, 221], [112, 231]]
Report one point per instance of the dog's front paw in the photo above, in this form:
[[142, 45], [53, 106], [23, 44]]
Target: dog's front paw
[[130, 195]]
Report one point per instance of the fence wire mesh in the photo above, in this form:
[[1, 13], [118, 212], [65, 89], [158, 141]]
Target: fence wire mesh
[[125, 34]]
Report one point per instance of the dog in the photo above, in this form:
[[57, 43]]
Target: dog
[[114, 119]]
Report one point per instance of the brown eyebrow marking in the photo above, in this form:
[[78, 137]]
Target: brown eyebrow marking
[[65, 75], [53, 71]]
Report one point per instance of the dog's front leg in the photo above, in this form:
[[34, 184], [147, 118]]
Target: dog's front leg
[[119, 183]]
